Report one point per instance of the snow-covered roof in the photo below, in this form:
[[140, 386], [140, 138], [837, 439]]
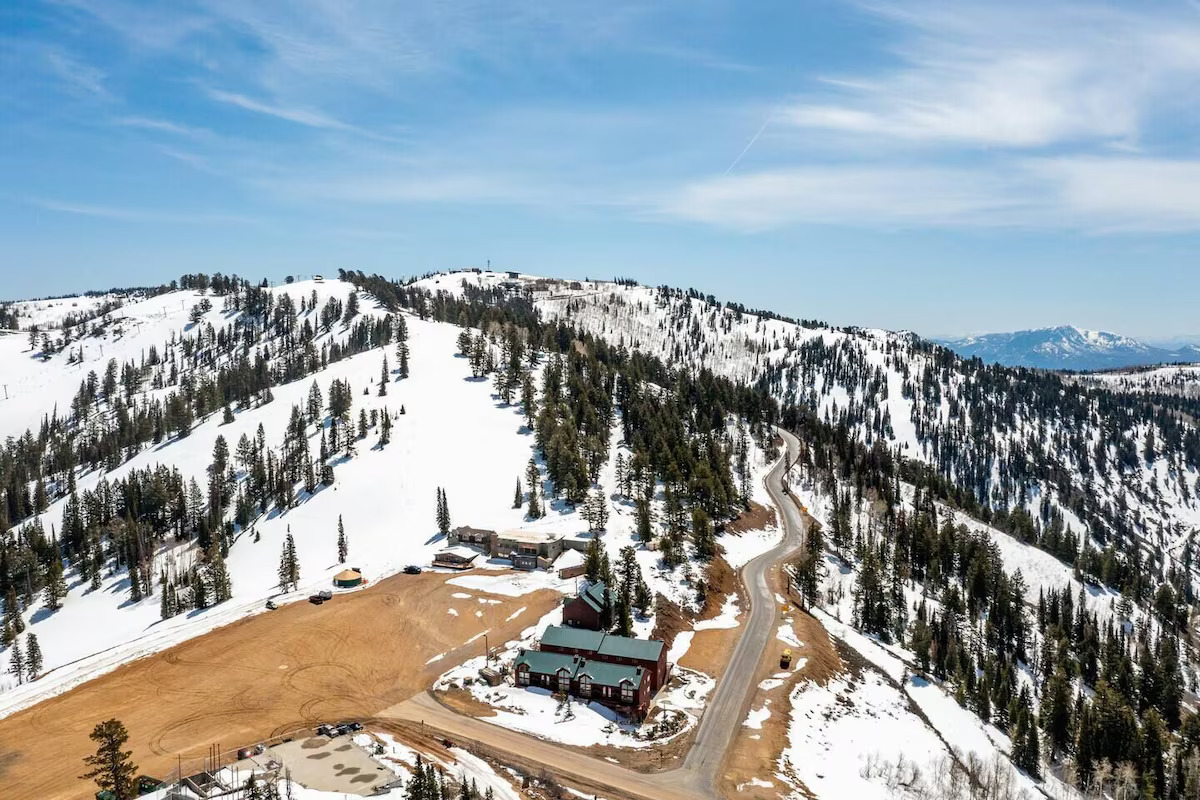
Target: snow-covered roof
[[569, 558], [459, 551], [530, 537]]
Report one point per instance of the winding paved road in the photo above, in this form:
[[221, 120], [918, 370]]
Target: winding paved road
[[699, 774]]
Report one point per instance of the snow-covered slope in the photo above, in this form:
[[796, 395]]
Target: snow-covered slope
[[384, 495], [454, 433], [1181, 380], [1067, 347], [1013, 439]]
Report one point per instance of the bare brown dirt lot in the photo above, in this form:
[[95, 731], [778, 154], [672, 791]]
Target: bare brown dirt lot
[[263, 676]]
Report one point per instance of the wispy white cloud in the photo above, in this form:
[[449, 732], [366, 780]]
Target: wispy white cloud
[[76, 74], [1016, 75], [1032, 116], [300, 116], [394, 186], [121, 214], [1084, 194], [162, 126], [1125, 194], [881, 196]]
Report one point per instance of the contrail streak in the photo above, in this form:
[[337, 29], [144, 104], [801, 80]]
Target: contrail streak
[[750, 143]]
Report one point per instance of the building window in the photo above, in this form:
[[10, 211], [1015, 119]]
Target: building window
[[626, 692], [523, 675], [585, 686], [564, 681]]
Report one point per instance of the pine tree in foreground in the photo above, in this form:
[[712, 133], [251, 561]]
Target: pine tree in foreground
[[16, 666], [384, 375], [533, 478], [342, 546], [56, 584], [111, 767], [402, 349], [289, 565], [592, 560], [33, 656], [518, 496], [443, 512]]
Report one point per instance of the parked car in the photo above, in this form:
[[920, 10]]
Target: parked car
[[350, 727], [271, 605], [325, 594], [316, 599], [326, 730], [412, 569]]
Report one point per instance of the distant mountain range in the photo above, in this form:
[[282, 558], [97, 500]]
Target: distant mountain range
[[1067, 347]]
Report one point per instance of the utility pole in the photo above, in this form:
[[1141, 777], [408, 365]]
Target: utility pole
[[487, 653]]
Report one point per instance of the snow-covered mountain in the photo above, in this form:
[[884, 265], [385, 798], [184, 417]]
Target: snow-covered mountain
[[1063, 490], [1067, 347], [1091, 458], [1022, 481]]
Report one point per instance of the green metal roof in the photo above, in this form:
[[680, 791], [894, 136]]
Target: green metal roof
[[625, 647], [599, 671], [593, 595], [546, 663], [577, 638], [610, 674]]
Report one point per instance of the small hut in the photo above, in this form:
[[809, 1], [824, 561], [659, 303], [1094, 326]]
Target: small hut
[[348, 579]]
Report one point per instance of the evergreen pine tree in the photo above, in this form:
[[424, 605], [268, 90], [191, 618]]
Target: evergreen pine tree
[[289, 565], [385, 428], [591, 561], [33, 656], [443, 512], [111, 767], [606, 610], [342, 547], [641, 596], [199, 590], [702, 535], [216, 574], [402, 349], [56, 584], [135, 584], [16, 665], [645, 530], [518, 496], [164, 604], [97, 564], [533, 480], [623, 624], [13, 624], [384, 377]]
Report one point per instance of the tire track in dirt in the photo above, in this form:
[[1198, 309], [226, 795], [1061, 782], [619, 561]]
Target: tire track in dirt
[[261, 676]]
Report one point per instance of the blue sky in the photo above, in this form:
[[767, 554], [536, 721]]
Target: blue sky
[[943, 167]]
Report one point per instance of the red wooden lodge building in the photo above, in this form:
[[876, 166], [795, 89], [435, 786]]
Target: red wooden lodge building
[[617, 671]]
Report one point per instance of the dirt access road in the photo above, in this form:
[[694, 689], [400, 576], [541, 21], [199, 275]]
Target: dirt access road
[[262, 676], [699, 774]]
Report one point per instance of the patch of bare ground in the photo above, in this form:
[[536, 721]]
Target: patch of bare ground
[[462, 701], [669, 621], [756, 518], [263, 676], [710, 649], [752, 763], [721, 581]]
